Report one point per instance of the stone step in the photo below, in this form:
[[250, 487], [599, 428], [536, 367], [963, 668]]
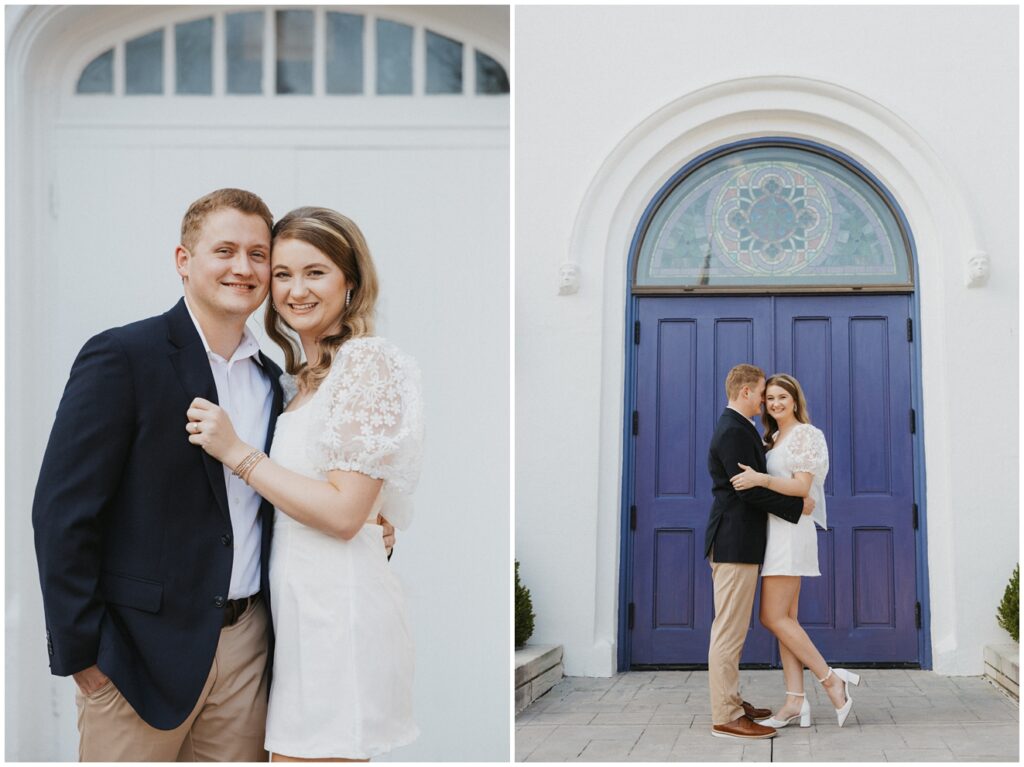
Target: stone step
[[538, 669], [1002, 666]]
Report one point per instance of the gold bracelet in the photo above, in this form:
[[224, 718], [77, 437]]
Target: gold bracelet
[[768, 482], [248, 471], [245, 465]]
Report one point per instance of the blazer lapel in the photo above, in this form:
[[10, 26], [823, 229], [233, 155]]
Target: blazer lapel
[[193, 368]]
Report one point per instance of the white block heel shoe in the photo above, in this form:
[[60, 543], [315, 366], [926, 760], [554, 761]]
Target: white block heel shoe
[[804, 716], [848, 678]]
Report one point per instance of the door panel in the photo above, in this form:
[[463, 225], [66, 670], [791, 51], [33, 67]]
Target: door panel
[[851, 356], [857, 383], [686, 350]]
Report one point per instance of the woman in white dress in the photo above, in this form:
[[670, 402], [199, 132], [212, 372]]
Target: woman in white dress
[[346, 454], [797, 465]]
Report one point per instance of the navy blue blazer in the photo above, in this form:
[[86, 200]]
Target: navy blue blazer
[[132, 530], [738, 524]]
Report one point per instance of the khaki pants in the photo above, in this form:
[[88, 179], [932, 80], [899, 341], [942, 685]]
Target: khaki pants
[[227, 724], [735, 585]]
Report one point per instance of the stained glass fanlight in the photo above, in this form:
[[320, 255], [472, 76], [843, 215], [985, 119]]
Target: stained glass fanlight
[[773, 216]]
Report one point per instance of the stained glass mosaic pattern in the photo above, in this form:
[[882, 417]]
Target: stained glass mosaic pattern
[[773, 216]]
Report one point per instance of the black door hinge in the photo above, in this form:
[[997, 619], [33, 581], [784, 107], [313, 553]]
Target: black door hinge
[[636, 332], [630, 615], [632, 517], [636, 423], [917, 614], [915, 516], [910, 328], [913, 421]]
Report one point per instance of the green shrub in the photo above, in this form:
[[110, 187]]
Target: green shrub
[[524, 612], [1009, 608]]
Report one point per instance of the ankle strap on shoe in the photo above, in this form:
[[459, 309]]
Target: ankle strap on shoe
[[795, 694], [826, 675]]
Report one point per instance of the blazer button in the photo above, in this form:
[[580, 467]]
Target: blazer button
[[219, 601], [226, 539]]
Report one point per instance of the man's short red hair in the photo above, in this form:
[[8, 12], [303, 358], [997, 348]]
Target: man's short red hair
[[740, 376]]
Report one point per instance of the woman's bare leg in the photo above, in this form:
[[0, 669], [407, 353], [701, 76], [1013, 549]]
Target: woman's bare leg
[[792, 668], [283, 758], [777, 593]]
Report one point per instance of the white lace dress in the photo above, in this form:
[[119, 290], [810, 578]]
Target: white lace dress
[[343, 661], [793, 549]]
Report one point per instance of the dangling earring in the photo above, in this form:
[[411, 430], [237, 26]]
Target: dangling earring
[[348, 296]]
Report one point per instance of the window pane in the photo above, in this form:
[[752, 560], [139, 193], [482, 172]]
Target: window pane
[[245, 52], [144, 64], [394, 57], [490, 75], [344, 53], [98, 75], [294, 51], [193, 56], [773, 216], [444, 64]]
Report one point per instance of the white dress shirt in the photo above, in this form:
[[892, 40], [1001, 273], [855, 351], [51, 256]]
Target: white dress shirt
[[244, 391]]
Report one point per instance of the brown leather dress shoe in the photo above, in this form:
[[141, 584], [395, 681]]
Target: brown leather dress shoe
[[742, 729], [756, 713]]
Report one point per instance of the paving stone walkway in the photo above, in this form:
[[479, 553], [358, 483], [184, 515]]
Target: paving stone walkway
[[898, 716]]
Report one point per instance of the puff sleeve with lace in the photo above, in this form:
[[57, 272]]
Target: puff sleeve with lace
[[369, 419], [807, 451]]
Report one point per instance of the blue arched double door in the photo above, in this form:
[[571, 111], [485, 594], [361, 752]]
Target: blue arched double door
[[853, 356]]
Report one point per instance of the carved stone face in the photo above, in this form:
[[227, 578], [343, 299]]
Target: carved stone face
[[978, 267], [568, 278]]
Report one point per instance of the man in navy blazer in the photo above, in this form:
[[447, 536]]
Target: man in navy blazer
[[734, 545], [152, 555]]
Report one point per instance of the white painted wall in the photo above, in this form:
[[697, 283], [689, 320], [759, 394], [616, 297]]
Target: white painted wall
[[609, 102], [95, 195]]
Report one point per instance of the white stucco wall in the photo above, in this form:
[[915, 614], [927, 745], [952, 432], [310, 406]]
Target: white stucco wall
[[93, 210], [610, 101]]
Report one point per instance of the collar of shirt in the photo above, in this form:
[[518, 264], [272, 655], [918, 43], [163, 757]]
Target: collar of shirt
[[247, 347], [730, 407]]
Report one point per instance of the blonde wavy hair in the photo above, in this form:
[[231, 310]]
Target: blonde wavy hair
[[338, 238], [800, 411]]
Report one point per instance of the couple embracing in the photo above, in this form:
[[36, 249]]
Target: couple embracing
[[768, 494], [212, 602]]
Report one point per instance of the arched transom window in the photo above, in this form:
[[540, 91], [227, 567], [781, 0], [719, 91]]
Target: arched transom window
[[770, 216], [293, 51]]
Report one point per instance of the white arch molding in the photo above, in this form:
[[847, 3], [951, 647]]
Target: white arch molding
[[940, 218]]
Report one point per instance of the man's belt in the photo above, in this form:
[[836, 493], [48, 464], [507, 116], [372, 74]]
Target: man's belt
[[234, 608]]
